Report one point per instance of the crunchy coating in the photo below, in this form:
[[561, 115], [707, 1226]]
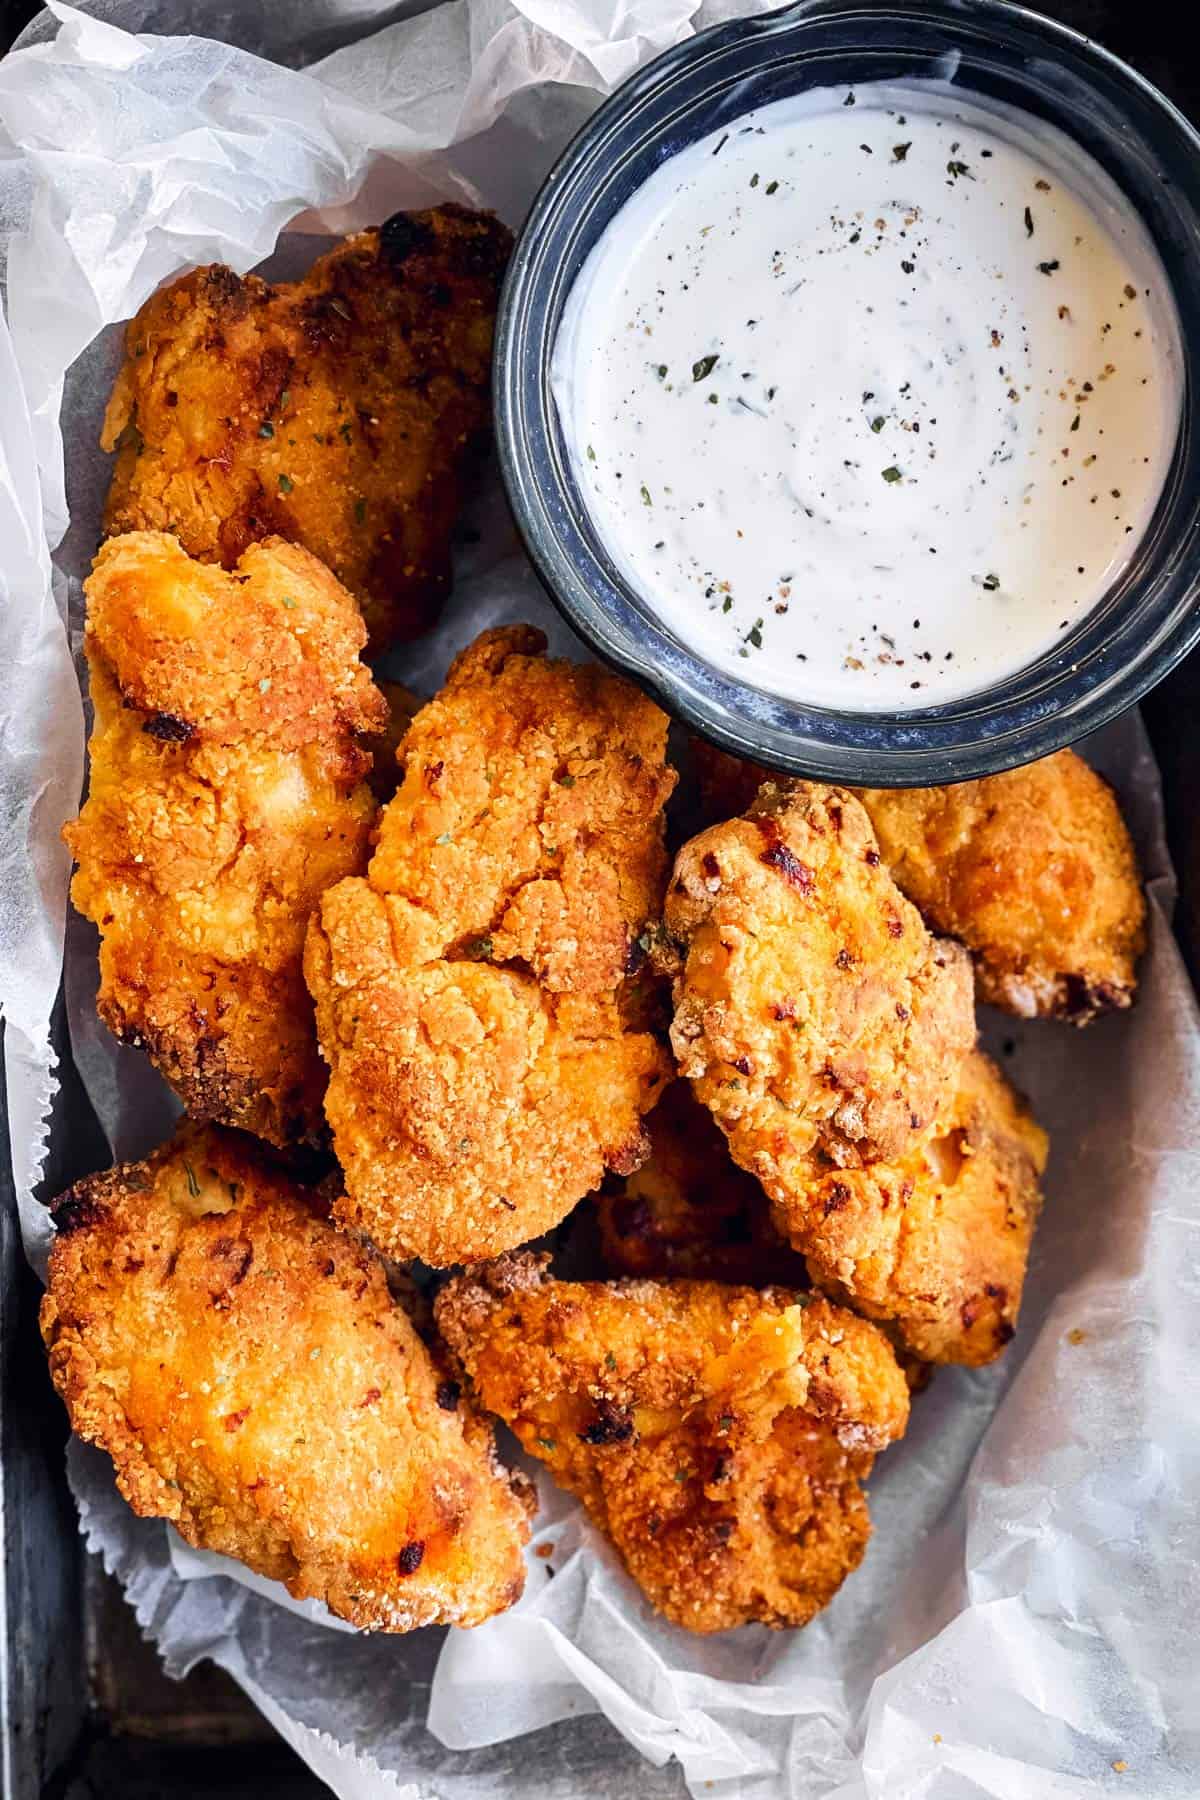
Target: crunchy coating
[[1033, 870], [689, 1210], [817, 1018], [936, 1244], [470, 990], [342, 411], [253, 1380], [718, 1435], [226, 794]]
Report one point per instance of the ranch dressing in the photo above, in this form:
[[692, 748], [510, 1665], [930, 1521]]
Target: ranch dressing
[[871, 396]]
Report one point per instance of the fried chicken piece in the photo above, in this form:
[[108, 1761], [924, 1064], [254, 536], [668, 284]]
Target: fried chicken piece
[[470, 991], [935, 1244], [689, 1210], [1034, 870], [342, 412], [226, 794], [718, 1435], [255, 1383], [819, 1021]]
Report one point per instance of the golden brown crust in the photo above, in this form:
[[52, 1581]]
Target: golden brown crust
[[226, 794], [689, 1210], [814, 1013], [718, 1435], [254, 1382], [342, 411], [1034, 870], [470, 990], [934, 1245]]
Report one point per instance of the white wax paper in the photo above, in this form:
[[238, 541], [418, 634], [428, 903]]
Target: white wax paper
[[1024, 1623]]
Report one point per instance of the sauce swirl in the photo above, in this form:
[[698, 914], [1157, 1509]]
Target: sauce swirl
[[872, 395]]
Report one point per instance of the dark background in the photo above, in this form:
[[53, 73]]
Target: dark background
[[148, 1737]]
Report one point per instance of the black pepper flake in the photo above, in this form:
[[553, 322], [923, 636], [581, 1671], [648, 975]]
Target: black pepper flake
[[900, 151], [908, 267], [448, 1395], [955, 169], [849, 100], [704, 367], [1028, 223], [991, 583], [410, 1558], [1048, 268], [1075, 423], [721, 145]]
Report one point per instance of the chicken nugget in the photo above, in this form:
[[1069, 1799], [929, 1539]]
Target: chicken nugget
[[718, 1435], [1033, 870], [819, 1021], [342, 411], [254, 1381], [471, 989], [226, 794], [935, 1245], [689, 1210]]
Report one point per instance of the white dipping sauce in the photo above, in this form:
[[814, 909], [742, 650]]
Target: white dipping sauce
[[871, 398]]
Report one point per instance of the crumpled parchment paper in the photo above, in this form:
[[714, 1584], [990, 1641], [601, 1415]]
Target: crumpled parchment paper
[[1024, 1625]]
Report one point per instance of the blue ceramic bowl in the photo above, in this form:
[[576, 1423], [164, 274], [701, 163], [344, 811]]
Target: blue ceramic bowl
[[1148, 620]]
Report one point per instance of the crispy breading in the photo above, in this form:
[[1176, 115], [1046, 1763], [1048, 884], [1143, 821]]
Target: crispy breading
[[254, 1381], [1034, 870], [226, 794], [470, 991], [342, 411], [718, 1435], [689, 1210], [935, 1244], [817, 1018]]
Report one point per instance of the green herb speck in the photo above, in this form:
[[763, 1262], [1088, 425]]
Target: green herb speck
[[360, 511], [646, 500], [193, 1184], [704, 367], [286, 484], [892, 474], [266, 429], [877, 424]]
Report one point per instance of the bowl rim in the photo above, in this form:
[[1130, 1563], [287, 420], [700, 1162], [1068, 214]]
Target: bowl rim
[[919, 749]]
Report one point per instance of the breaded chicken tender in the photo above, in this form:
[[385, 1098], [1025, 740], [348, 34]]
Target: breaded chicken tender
[[934, 1245], [255, 1383], [718, 1435], [226, 794], [342, 412], [1033, 870], [470, 991], [689, 1210], [819, 1021]]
